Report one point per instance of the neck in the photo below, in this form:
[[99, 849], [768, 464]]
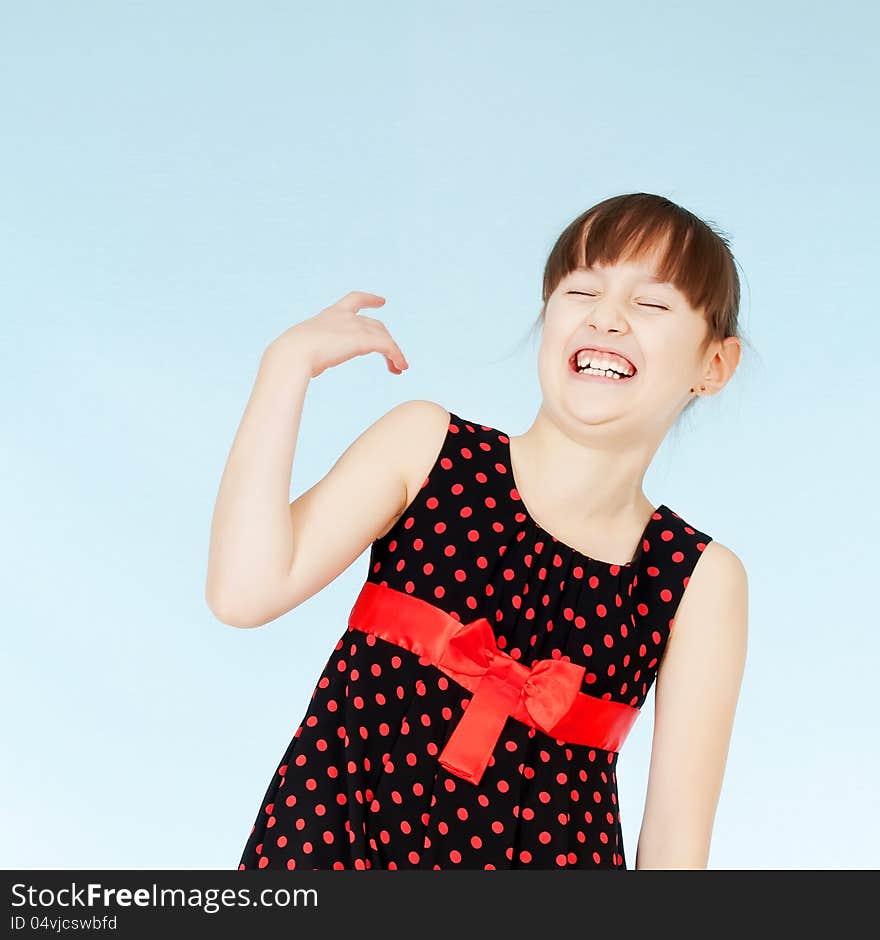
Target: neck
[[589, 473]]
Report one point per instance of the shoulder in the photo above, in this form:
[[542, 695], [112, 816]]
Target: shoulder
[[401, 429], [719, 569], [718, 582], [402, 439], [416, 431], [420, 409], [418, 421], [713, 613]]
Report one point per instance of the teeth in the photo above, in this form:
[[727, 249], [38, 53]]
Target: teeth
[[602, 363], [609, 373]]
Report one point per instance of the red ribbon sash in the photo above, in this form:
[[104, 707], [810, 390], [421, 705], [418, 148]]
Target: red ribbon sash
[[545, 695]]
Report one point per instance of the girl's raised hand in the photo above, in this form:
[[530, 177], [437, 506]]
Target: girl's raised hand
[[339, 333]]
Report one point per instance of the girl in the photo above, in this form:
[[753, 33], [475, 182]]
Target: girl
[[523, 594]]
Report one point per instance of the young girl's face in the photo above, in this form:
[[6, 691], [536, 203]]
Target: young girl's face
[[622, 307]]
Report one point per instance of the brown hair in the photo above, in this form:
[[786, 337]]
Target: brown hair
[[693, 255]]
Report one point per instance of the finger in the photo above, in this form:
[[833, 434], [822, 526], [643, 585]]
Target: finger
[[385, 344], [383, 340], [356, 299], [394, 354]]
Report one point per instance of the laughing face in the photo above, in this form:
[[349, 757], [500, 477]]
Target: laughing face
[[618, 343]]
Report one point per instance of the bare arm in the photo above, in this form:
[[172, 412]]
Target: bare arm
[[260, 542], [698, 686]]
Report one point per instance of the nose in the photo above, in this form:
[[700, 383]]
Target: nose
[[606, 315]]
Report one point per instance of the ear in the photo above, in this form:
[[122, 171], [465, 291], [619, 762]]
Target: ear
[[723, 364]]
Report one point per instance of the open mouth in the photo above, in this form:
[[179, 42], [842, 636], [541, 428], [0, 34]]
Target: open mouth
[[601, 365]]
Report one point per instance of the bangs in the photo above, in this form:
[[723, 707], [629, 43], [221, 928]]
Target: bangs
[[680, 247]]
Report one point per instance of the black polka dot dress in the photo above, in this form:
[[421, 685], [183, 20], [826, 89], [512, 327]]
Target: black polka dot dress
[[360, 785]]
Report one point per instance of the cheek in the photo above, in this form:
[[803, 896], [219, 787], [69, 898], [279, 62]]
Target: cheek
[[558, 330], [551, 354], [545, 357], [670, 363]]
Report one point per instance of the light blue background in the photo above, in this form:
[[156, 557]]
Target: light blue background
[[182, 182]]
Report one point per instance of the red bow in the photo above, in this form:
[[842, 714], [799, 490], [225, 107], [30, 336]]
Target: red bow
[[539, 695], [545, 696]]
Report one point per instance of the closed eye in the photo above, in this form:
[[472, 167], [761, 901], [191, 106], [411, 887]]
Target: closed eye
[[586, 294]]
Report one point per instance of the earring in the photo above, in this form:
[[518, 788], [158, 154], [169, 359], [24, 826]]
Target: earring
[[702, 388]]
